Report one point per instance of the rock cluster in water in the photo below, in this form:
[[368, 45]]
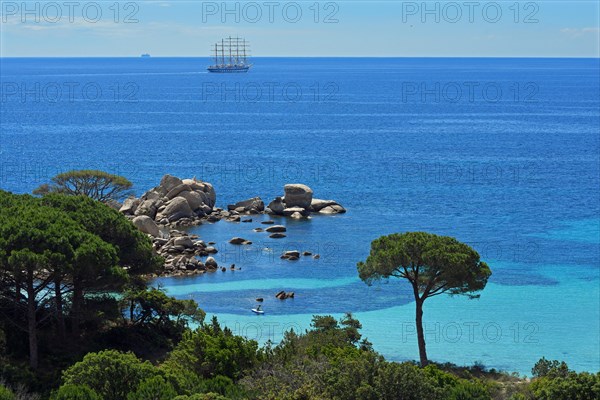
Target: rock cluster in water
[[179, 202], [173, 202], [180, 252], [298, 202]]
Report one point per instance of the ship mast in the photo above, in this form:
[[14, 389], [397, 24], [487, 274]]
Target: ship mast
[[216, 55], [244, 49], [237, 50], [229, 46], [222, 52]]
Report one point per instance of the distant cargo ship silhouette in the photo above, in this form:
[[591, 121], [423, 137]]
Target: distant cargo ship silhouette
[[231, 55]]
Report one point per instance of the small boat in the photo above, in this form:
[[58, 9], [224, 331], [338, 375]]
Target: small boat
[[257, 311]]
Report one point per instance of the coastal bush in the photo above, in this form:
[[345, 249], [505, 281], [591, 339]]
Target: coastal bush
[[404, 381], [221, 385], [327, 362], [469, 390], [75, 392], [201, 396], [111, 374], [211, 350], [553, 368], [573, 386], [6, 393], [155, 388]]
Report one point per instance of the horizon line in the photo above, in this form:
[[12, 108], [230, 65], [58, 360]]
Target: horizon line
[[259, 57]]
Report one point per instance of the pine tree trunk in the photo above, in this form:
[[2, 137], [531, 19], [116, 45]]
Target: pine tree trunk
[[17, 298], [76, 309], [60, 319], [32, 323], [420, 334]]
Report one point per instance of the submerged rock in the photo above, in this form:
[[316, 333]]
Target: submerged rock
[[282, 295], [254, 204], [239, 240], [291, 255], [276, 228]]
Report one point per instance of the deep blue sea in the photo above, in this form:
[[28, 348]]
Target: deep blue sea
[[501, 153]]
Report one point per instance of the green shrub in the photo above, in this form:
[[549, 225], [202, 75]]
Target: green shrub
[[469, 390], [405, 381], [154, 388], [219, 384], [6, 393], [202, 396], [549, 367], [575, 386], [211, 351], [75, 392], [112, 374]]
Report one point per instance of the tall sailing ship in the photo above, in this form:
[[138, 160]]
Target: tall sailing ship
[[231, 55]]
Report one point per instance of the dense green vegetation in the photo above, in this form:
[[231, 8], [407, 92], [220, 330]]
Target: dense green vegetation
[[330, 361], [77, 322]]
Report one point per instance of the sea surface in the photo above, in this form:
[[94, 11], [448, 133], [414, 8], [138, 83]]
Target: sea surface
[[501, 153]]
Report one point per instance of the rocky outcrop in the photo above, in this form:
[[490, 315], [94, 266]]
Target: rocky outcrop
[[297, 195], [175, 210], [129, 206], [181, 252], [146, 225], [276, 206], [179, 202], [174, 202], [318, 204], [168, 183], [298, 202], [254, 205]]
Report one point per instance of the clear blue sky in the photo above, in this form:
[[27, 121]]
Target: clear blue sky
[[284, 28]]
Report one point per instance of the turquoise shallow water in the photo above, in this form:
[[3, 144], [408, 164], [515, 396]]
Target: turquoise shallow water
[[506, 329], [516, 176]]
